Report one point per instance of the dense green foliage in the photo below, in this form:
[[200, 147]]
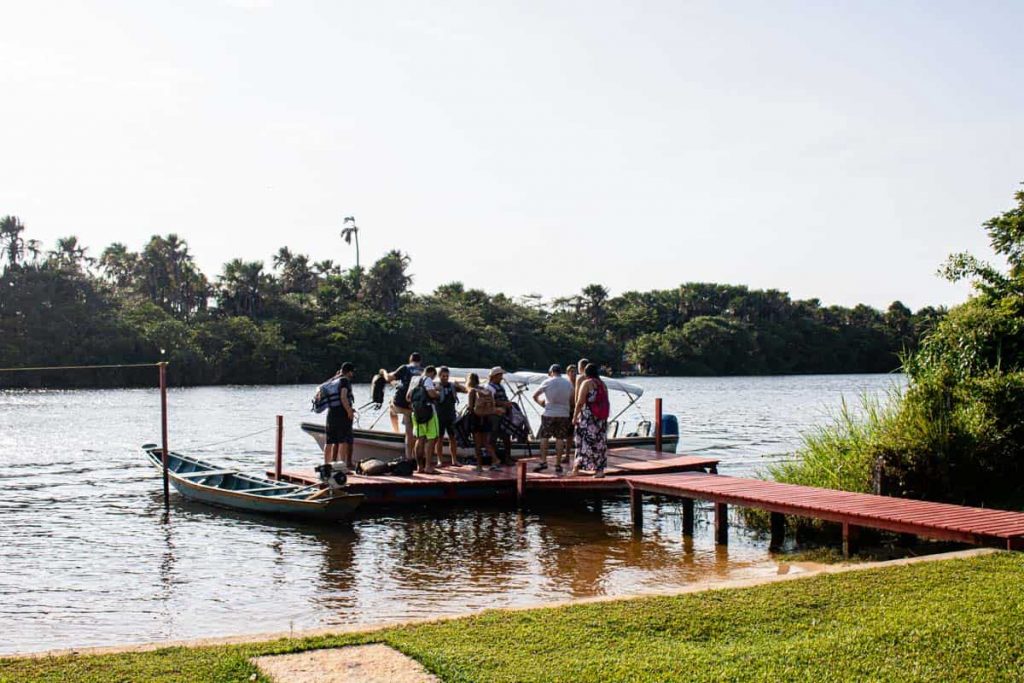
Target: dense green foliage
[[953, 620], [957, 432], [298, 321]]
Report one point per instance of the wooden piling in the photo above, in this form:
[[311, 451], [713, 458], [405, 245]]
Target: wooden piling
[[521, 481], [636, 508], [851, 534], [163, 431], [778, 523], [721, 523], [687, 516], [657, 425], [279, 450]]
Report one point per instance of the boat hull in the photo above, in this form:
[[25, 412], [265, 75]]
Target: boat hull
[[206, 489], [370, 443]]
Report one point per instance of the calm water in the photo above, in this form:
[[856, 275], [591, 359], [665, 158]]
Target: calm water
[[87, 557]]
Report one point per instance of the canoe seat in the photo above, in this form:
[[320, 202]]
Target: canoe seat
[[205, 473]]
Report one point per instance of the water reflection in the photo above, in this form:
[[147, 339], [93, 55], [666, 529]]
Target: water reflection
[[88, 556]]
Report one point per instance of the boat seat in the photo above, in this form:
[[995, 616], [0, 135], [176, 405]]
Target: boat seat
[[283, 487], [205, 473]]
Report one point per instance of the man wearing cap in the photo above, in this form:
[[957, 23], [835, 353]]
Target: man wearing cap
[[501, 405], [555, 394]]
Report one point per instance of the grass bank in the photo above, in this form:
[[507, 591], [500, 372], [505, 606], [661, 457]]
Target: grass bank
[[935, 621]]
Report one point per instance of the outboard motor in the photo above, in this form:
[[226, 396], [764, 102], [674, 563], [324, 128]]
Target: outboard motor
[[669, 425], [332, 474]]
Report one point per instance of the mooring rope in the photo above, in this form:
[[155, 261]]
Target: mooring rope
[[81, 367], [237, 438]]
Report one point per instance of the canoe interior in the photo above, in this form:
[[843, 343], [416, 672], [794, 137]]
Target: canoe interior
[[226, 481]]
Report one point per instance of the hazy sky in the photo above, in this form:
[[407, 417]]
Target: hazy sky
[[834, 150]]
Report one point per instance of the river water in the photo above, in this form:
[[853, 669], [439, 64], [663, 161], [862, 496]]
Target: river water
[[88, 558]]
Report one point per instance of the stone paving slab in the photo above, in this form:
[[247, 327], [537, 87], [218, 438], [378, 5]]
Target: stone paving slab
[[375, 663]]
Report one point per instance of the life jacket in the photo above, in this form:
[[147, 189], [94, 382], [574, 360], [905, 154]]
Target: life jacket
[[447, 400], [600, 407], [328, 395]]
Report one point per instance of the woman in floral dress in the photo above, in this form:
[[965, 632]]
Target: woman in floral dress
[[590, 416]]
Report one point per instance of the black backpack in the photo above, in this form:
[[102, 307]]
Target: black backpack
[[422, 406]]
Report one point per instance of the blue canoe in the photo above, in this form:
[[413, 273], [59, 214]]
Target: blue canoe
[[207, 483]]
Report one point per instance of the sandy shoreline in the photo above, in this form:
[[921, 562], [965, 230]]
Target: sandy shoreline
[[803, 570]]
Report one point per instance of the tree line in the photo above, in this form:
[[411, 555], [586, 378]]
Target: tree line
[[297, 319]]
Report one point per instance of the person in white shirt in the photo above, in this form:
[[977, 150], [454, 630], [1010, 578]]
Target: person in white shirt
[[555, 394]]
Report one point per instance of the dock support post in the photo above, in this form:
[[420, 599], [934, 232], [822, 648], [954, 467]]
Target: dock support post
[[778, 523], [721, 523], [657, 425], [520, 481], [279, 450], [687, 516], [163, 432], [636, 508], [851, 534]]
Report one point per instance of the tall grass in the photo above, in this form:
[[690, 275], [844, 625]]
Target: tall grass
[[841, 453]]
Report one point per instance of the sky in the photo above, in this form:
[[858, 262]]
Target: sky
[[832, 150]]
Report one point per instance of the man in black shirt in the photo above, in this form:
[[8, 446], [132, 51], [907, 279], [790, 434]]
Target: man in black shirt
[[339, 419]]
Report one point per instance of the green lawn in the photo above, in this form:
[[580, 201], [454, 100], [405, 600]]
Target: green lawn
[[954, 620]]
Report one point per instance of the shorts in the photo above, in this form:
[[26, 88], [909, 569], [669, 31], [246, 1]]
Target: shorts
[[425, 430], [339, 427], [481, 424], [446, 427], [555, 428]]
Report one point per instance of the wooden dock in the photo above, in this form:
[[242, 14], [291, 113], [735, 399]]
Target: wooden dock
[[980, 526], [464, 483]]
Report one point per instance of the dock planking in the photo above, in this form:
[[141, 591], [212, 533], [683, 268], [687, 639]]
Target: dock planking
[[465, 483], [943, 521]]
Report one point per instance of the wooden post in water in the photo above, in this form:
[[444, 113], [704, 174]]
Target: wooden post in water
[[687, 516], [636, 508], [721, 523], [279, 450], [657, 425], [163, 431], [521, 480]]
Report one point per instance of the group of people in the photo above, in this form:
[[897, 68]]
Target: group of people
[[575, 407]]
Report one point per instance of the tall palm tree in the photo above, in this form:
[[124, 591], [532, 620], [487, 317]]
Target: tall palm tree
[[349, 231]]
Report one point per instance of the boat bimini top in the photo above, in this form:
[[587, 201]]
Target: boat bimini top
[[522, 380]]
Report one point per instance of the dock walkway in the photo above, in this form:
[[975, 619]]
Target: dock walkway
[[464, 483], [980, 526]]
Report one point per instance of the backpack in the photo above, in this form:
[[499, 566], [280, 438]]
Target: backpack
[[600, 407], [372, 467], [484, 404], [377, 387], [400, 467], [422, 406]]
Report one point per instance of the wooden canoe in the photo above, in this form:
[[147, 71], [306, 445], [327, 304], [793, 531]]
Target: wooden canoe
[[204, 482]]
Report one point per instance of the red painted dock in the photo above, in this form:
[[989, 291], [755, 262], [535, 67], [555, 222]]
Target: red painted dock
[[981, 526], [464, 483]]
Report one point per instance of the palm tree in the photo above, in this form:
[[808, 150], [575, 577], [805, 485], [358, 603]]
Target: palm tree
[[348, 231], [11, 242], [69, 255]]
